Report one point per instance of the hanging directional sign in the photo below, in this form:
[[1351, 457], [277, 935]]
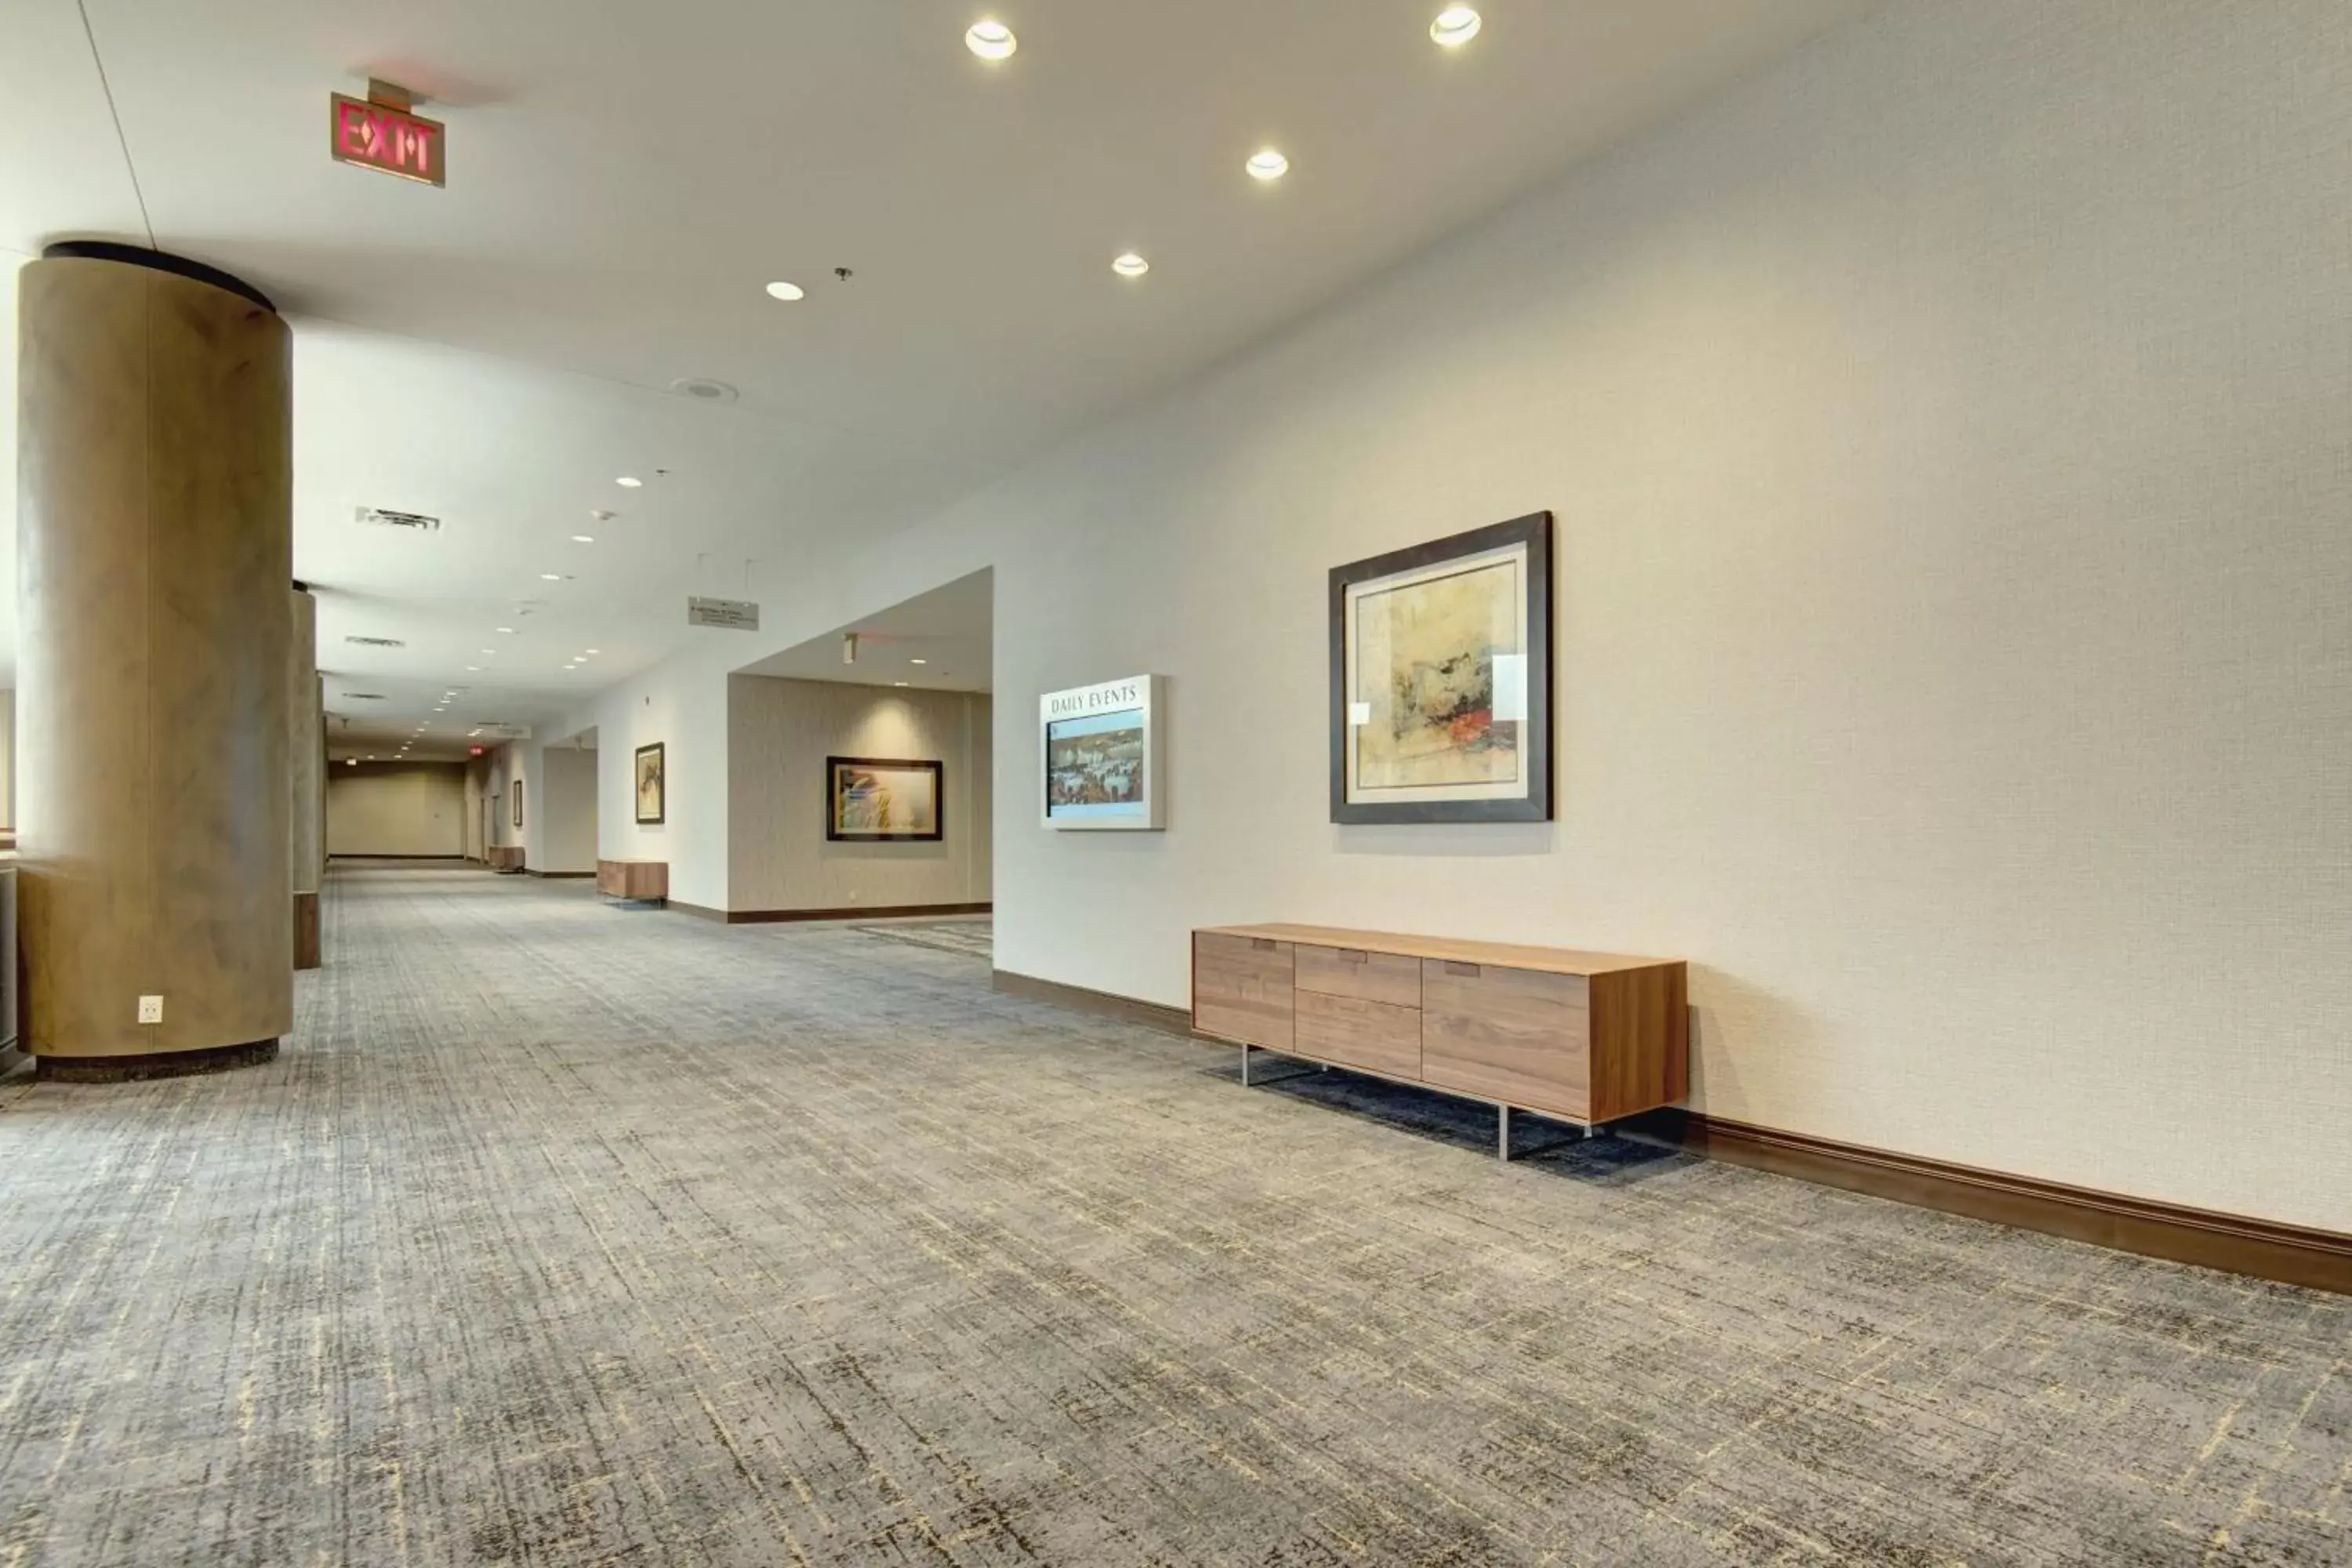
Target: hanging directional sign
[[387, 137], [734, 615]]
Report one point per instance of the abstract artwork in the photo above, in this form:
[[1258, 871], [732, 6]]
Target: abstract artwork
[[1441, 676], [1101, 755], [653, 785], [880, 800]]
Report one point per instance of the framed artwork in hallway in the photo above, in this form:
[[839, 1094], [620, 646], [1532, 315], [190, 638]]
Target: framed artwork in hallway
[[652, 785], [1440, 679], [515, 789], [882, 800]]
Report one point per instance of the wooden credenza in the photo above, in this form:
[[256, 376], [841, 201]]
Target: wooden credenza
[[642, 881], [1587, 1038], [503, 857]]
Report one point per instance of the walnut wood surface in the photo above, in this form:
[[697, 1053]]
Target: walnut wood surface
[[1391, 977], [155, 552], [1378, 1036], [1241, 989], [1551, 960], [1641, 1039], [645, 879], [1518, 1036]]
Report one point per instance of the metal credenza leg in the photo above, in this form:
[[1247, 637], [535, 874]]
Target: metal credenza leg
[[1245, 1062], [1503, 1133]]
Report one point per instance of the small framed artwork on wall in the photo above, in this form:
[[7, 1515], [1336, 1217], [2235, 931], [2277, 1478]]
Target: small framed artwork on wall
[[515, 790], [881, 800], [652, 785], [1440, 679]]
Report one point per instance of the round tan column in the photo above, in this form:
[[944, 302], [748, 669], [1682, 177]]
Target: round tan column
[[306, 753], [154, 507]]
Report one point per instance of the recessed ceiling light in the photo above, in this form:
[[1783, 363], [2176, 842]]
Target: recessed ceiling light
[[779, 289], [595, 650], [898, 683], [1456, 25], [990, 40], [1130, 265], [918, 661], [584, 539], [1267, 165], [629, 481], [473, 669], [505, 631], [551, 576]]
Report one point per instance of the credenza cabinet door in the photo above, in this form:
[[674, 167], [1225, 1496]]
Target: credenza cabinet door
[[1367, 975], [1518, 1036], [1378, 1036], [1241, 989]]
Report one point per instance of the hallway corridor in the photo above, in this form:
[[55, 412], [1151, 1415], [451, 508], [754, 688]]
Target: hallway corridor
[[567, 1234]]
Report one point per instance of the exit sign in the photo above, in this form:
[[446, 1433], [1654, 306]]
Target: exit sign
[[380, 136]]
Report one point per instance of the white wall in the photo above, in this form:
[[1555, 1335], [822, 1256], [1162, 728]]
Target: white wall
[[1948, 431], [396, 808], [780, 733]]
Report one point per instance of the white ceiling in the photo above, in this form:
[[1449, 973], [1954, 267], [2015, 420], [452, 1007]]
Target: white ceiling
[[951, 629], [626, 177]]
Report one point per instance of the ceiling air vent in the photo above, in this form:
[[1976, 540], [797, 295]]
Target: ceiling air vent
[[362, 696], [384, 517], [376, 642]]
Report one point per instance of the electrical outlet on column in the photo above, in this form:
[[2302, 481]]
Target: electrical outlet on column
[[151, 1009]]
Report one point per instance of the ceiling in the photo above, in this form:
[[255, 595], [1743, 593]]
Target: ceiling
[[941, 639], [626, 178]]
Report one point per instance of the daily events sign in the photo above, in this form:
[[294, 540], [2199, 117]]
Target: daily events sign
[[380, 136]]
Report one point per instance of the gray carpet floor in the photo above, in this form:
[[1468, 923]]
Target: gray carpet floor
[[569, 1234]]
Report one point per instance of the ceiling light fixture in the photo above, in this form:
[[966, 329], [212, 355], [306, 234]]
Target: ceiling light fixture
[[505, 631], [595, 650], [898, 683], [1456, 25], [473, 669], [1265, 164], [787, 292], [990, 40], [1130, 265], [918, 661], [584, 539], [629, 481]]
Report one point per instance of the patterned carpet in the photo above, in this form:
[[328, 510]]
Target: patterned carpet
[[974, 937], [568, 1234]]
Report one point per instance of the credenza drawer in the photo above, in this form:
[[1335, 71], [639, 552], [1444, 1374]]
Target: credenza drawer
[[1375, 1036], [1357, 972], [1241, 989], [1519, 1035]]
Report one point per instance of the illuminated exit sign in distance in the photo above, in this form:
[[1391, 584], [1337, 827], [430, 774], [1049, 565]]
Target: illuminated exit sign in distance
[[387, 138]]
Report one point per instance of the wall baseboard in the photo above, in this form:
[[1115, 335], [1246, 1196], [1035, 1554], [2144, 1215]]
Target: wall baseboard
[[558, 876], [879, 912], [1102, 1004], [2235, 1244], [696, 911]]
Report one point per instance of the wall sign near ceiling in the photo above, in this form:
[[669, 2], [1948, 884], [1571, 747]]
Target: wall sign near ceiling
[[379, 131], [733, 614]]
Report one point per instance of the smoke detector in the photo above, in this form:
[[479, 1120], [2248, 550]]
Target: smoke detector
[[385, 517], [702, 389]]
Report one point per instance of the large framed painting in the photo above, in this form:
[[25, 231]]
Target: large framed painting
[[1440, 679], [653, 785], [882, 800], [1101, 746], [515, 789]]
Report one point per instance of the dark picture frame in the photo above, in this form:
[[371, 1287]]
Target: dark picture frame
[[658, 754], [840, 826], [1533, 739], [514, 788]]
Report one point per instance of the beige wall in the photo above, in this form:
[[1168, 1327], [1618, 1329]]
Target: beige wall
[[780, 734], [566, 838], [396, 808]]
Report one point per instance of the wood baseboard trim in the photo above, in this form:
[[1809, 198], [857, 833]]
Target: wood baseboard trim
[[1101, 1003], [879, 912], [558, 876], [2237, 1244], [696, 911]]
